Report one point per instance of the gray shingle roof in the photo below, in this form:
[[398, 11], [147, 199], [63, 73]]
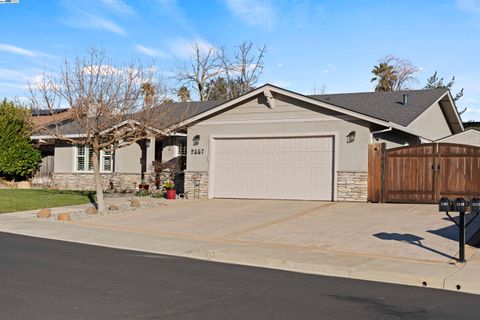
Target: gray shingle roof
[[385, 106]]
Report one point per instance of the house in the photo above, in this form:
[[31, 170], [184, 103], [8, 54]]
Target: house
[[470, 137], [273, 143]]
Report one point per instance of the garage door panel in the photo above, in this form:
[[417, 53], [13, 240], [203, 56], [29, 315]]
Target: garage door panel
[[274, 168], [286, 159]]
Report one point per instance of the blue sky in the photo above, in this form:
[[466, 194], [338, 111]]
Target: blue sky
[[309, 43]]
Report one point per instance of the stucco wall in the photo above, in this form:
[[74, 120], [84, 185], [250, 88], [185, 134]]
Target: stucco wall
[[288, 117], [64, 154], [394, 139], [171, 148], [431, 124], [127, 159]]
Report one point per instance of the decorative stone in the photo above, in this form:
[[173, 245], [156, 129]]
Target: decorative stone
[[135, 203], [24, 185], [63, 217], [112, 207], [44, 213], [118, 182], [352, 186], [196, 184], [91, 210]]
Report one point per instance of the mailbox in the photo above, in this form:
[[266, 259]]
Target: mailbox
[[475, 205], [460, 205], [445, 205]]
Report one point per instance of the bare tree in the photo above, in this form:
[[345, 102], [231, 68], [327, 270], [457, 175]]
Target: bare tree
[[319, 90], [204, 65], [240, 70], [111, 106], [403, 70], [243, 70]]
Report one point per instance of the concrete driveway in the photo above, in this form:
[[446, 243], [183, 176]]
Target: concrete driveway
[[394, 231]]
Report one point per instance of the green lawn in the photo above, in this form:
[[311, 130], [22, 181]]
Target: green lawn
[[19, 200]]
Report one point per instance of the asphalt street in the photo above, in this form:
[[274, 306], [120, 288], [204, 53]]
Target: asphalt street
[[47, 279]]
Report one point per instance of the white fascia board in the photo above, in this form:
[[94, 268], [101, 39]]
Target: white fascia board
[[73, 135], [455, 110]]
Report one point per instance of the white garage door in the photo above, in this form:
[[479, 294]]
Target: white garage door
[[273, 168]]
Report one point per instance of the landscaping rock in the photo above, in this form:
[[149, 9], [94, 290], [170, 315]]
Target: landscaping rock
[[91, 210], [113, 207], [63, 217], [44, 213], [135, 203]]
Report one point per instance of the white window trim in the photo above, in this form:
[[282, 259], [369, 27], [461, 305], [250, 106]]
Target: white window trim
[[102, 160]]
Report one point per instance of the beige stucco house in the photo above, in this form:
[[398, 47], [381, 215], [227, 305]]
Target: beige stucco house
[[470, 137], [273, 143]]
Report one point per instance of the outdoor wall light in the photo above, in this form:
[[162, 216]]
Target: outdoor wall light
[[196, 140], [351, 136]]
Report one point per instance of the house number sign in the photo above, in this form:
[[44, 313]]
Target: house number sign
[[196, 151]]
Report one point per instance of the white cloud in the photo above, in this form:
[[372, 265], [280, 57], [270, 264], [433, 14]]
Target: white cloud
[[185, 48], [97, 22], [22, 51], [87, 15], [151, 52], [254, 12], [119, 6]]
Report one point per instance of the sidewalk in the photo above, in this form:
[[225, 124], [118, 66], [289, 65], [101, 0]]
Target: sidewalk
[[434, 274]]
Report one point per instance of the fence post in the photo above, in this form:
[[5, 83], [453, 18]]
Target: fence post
[[375, 171]]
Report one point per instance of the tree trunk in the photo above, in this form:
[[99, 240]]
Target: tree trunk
[[98, 178]]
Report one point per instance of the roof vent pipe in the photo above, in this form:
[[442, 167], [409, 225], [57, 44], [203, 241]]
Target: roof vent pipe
[[405, 99]]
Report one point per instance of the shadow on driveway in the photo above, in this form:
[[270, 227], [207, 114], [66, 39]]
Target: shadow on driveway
[[410, 239]]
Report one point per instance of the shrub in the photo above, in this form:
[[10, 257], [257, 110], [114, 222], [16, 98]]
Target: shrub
[[18, 157]]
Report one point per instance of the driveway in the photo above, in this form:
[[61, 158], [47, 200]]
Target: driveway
[[393, 231]]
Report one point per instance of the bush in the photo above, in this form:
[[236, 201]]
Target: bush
[[18, 157], [142, 193]]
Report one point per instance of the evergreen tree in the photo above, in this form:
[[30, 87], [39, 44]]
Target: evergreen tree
[[18, 157]]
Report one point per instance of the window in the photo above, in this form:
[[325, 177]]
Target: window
[[182, 148], [84, 162]]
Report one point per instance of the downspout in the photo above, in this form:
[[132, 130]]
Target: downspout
[[379, 131]]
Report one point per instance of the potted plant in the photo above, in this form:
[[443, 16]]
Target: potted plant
[[169, 185], [143, 185]]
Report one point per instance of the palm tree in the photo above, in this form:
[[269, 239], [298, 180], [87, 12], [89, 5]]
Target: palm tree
[[149, 92], [386, 77], [184, 94]]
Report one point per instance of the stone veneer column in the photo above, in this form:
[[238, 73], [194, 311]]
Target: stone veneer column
[[352, 186], [199, 178]]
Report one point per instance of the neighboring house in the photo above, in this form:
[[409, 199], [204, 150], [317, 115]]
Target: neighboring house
[[272, 143], [470, 137], [122, 170]]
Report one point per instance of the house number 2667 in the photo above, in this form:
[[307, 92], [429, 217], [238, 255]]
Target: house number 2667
[[196, 151]]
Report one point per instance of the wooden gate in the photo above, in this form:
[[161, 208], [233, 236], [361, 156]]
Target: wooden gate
[[425, 173]]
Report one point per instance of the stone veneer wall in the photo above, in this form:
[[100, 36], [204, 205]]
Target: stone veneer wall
[[352, 186], [189, 185], [117, 182]]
